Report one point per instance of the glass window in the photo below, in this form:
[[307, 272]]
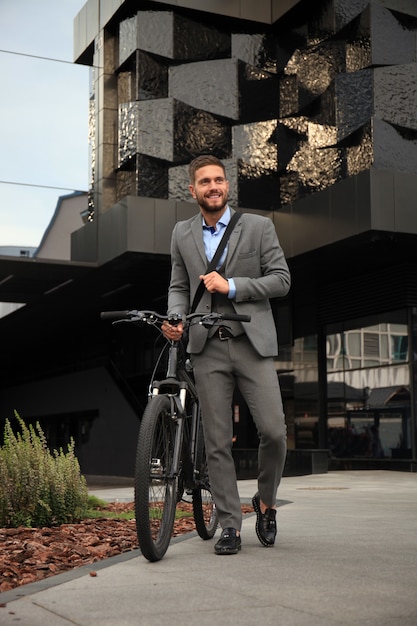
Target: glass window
[[353, 342], [300, 391], [368, 388]]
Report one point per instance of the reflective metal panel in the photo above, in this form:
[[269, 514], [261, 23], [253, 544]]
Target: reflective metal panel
[[396, 95], [172, 36], [208, 85], [393, 149], [259, 50], [393, 39], [297, 107], [354, 101], [198, 132]]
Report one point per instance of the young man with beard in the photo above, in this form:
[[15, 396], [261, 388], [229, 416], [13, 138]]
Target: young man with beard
[[251, 271]]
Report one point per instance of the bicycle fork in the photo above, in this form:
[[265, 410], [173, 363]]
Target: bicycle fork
[[178, 416]]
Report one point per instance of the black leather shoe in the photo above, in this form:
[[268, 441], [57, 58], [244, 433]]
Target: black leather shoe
[[229, 542], [266, 525]]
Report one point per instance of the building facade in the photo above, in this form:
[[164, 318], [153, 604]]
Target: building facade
[[313, 108]]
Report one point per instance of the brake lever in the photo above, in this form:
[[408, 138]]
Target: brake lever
[[209, 320]]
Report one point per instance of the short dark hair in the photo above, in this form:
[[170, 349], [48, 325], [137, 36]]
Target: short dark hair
[[202, 161]]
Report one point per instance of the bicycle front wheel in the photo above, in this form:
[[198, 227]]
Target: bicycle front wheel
[[204, 509], [155, 485]]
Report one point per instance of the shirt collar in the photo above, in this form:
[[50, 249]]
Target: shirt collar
[[224, 220]]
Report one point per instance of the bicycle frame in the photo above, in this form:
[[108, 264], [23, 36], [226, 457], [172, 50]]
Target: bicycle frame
[[178, 390]]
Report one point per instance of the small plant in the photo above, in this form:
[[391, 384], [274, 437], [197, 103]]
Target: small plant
[[37, 487], [97, 509]]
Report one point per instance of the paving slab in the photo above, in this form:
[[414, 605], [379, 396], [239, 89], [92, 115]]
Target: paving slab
[[346, 554]]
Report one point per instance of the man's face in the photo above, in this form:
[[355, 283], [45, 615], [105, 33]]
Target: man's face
[[210, 189]]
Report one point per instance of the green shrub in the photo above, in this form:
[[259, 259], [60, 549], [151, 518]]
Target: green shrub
[[37, 487]]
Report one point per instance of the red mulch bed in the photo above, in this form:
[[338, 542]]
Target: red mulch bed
[[31, 554]]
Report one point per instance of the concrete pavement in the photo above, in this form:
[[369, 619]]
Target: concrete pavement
[[346, 554]]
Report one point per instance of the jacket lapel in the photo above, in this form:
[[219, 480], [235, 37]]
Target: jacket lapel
[[234, 240], [197, 232]]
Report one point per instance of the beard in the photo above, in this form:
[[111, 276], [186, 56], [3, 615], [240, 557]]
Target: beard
[[210, 206]]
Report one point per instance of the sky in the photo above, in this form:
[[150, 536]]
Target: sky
[[44, 150]]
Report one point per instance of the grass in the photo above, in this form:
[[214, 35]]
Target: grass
[[97, 508], [100, 513]]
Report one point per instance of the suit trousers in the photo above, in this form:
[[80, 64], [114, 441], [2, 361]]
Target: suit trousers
[[217, 370]]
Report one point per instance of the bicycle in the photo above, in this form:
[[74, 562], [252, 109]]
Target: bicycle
[[170, 454]]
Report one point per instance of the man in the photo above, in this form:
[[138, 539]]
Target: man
[[252, 270]]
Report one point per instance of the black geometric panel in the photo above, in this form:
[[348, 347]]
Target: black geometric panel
[[142, 176], [317, 168], [392, 151], [128, 148], [345, 12], [126, 86], [240, 92], [358, 43], [259, 50], [255, 147], [208, 85], [258, 94], [359, 151], [259, 192], [288, 142], [316, 67], [291, 188], [152, 77], [146, 127], [169, 130], [198, 132], [354, 101], [392, 42], [153, 177], [144, 77], [126, 182], [197, 40], [288, 96], [396, 94], [172, 36], [293, 107]]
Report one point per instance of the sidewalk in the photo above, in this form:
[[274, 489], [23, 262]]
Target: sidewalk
[[346, 555]]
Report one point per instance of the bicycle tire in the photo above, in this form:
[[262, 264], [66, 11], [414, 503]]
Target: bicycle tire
[[204, 508], [155, 488]]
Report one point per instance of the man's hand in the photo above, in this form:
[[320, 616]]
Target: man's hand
[[173, 333], [215, 283]]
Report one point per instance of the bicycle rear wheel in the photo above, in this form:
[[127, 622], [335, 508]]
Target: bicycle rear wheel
[[204, 509], [155, 486]]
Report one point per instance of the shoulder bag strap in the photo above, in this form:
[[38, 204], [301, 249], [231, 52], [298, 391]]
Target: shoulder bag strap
[[214, 261]]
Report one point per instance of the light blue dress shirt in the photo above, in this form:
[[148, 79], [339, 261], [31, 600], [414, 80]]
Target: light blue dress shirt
[[212, 236]]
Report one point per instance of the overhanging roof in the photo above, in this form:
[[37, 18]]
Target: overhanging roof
[[27, 279], [61, 322], [96, 14]]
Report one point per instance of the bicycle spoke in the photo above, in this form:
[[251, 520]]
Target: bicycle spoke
[[155, 486]]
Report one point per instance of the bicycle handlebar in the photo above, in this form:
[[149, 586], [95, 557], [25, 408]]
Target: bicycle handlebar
[[233, 317], [152, 317], [115, 315]]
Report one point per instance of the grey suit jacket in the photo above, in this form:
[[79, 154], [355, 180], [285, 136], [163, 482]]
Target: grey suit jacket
[[255, 261]]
